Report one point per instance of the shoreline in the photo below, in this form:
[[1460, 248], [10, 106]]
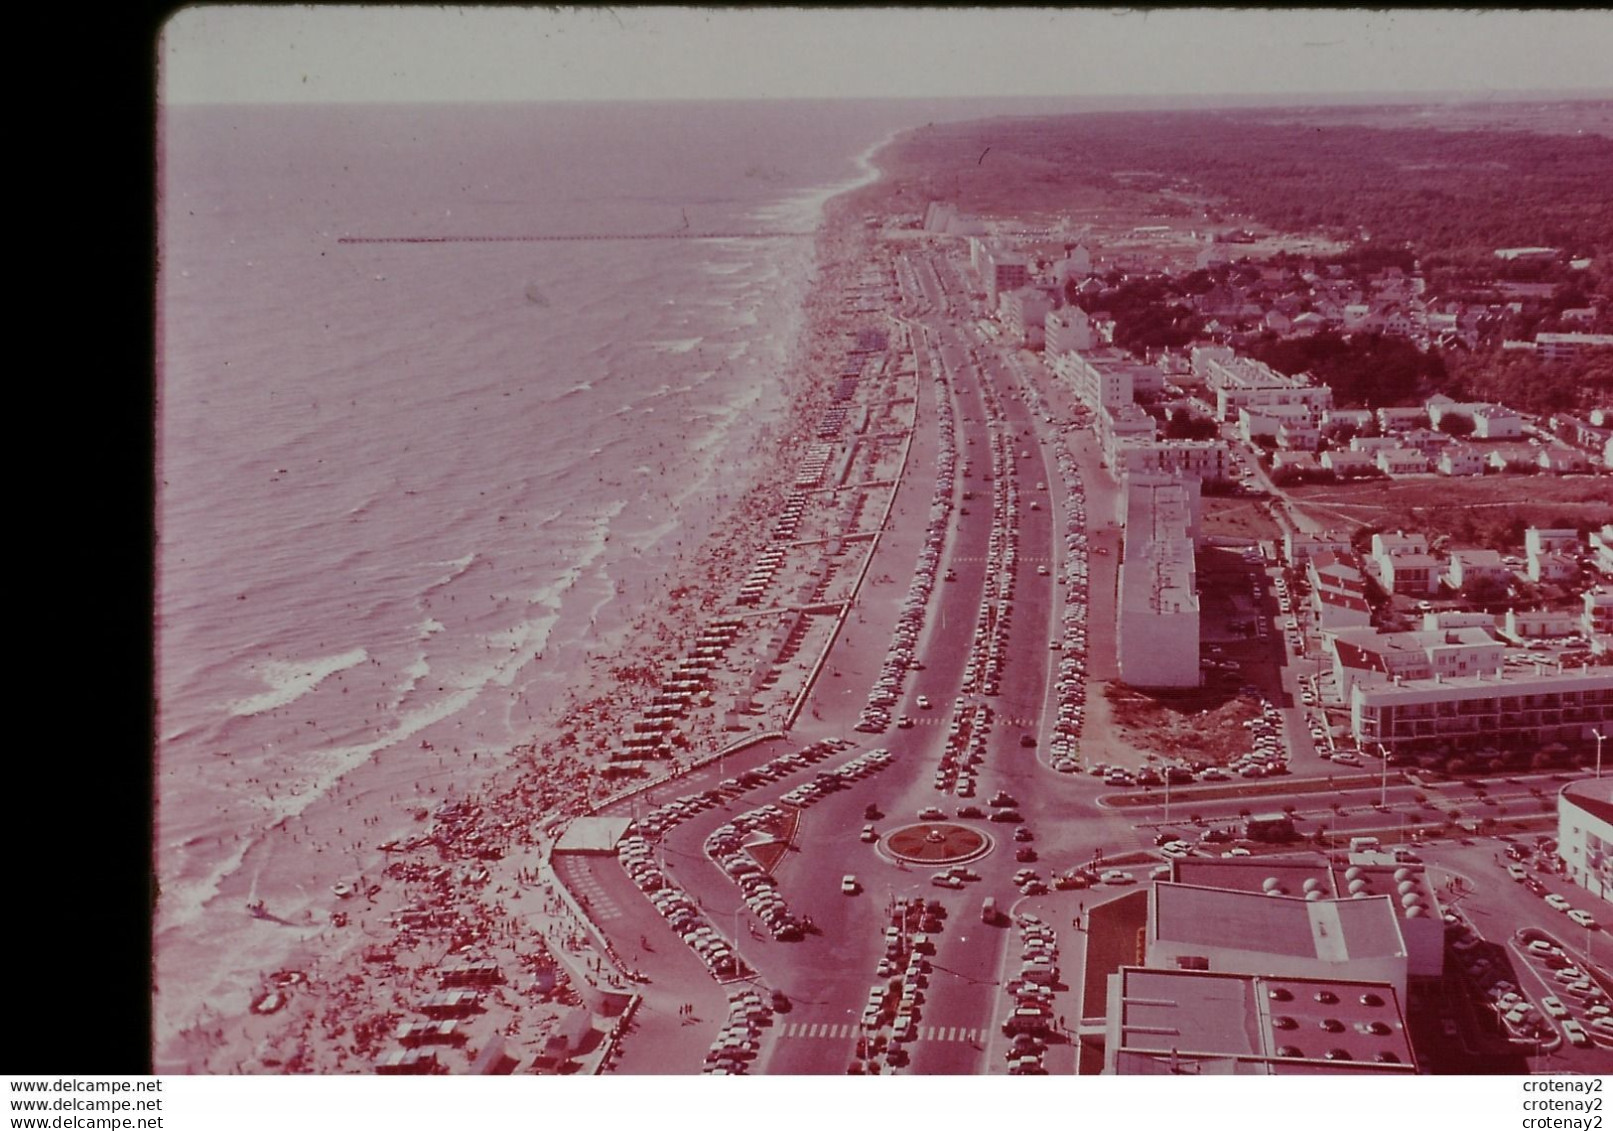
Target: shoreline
[[535, 785]]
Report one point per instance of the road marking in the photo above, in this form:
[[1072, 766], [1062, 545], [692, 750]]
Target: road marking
[[819, 1029], [950, 1033], [600, 905]]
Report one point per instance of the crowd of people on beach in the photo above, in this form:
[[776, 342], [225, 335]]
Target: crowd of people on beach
[[462, 883]]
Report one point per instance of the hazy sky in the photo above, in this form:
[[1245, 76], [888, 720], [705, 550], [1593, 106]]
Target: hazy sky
[[247, 54]]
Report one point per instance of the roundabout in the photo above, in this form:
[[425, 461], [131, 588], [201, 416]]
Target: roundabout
[[936, 842]]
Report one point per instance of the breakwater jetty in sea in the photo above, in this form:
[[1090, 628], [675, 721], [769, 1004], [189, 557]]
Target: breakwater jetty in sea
[[580, 236]]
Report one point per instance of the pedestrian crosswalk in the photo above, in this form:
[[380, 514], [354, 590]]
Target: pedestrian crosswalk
[[847, 1029], [592, 896]]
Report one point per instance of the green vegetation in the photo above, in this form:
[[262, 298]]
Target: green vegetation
[[1146, 313], [1521, 380], [1365, 370], [1453, 196]]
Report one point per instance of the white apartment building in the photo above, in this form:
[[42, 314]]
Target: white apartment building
[[1343, 463], [1460, 459], [1513, 708], [1585, 833], [1067, 330], [1401, 461], [1197, 459], [1242, 382], [1024, 315], [1003, 271], [1120, 425], [1365, 656], [1561, 347], [1538, 624], [1597, 620], [1099, 378], [1495, 423], [1299, 548], [1398, 542], [1269, 420], [1158, 616], [1476, 565], [1338, 592], [1602, 546], [1350, 417], [1537, 540], [1400, 419]]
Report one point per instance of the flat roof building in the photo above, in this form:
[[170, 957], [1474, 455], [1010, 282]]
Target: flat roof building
[[1180, 1022], [1158, 616], [1306, 934], [1528, 708]]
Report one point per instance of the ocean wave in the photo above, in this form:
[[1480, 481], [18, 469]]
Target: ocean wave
[[290, 680], [677, 345], [456, 569]]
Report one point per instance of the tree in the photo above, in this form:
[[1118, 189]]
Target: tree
[[1456, 424]]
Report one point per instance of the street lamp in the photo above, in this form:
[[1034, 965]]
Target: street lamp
[[1383, 779], [1599, 737]]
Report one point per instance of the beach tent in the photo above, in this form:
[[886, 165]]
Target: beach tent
[[495, 1059]]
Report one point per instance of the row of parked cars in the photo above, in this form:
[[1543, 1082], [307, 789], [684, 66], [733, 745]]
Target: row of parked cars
[[899, 657], [636, 854], [891, 1015], [1064, 749], [1589, 1015], [739, 1040], [988, 649], [680, 911], [1030, 1021], [726, 843], [965, 748]]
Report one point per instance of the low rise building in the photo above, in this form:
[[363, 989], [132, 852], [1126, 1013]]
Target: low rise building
[[1492, 422], [1299, 548], [1347, 464], [1392, 420], [1597, 619], [1365, 656], [1563, 461], [1182, 1022], [1585, 834], [1437, 620], [1551, 568], [1338, 592], [1401, 461], [1301, 934], [1601, 542], [1468, 567], [1347, 418], [1522, 626], [1563, 347], [1461, 459], [1519, 709], [1198, 459]]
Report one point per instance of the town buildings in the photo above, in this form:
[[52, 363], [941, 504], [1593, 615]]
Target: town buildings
[[1157, 619]]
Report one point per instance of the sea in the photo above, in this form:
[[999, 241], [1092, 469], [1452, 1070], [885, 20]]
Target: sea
[[403, 488]]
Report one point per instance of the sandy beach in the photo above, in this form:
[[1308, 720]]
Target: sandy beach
[[344, 915]]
